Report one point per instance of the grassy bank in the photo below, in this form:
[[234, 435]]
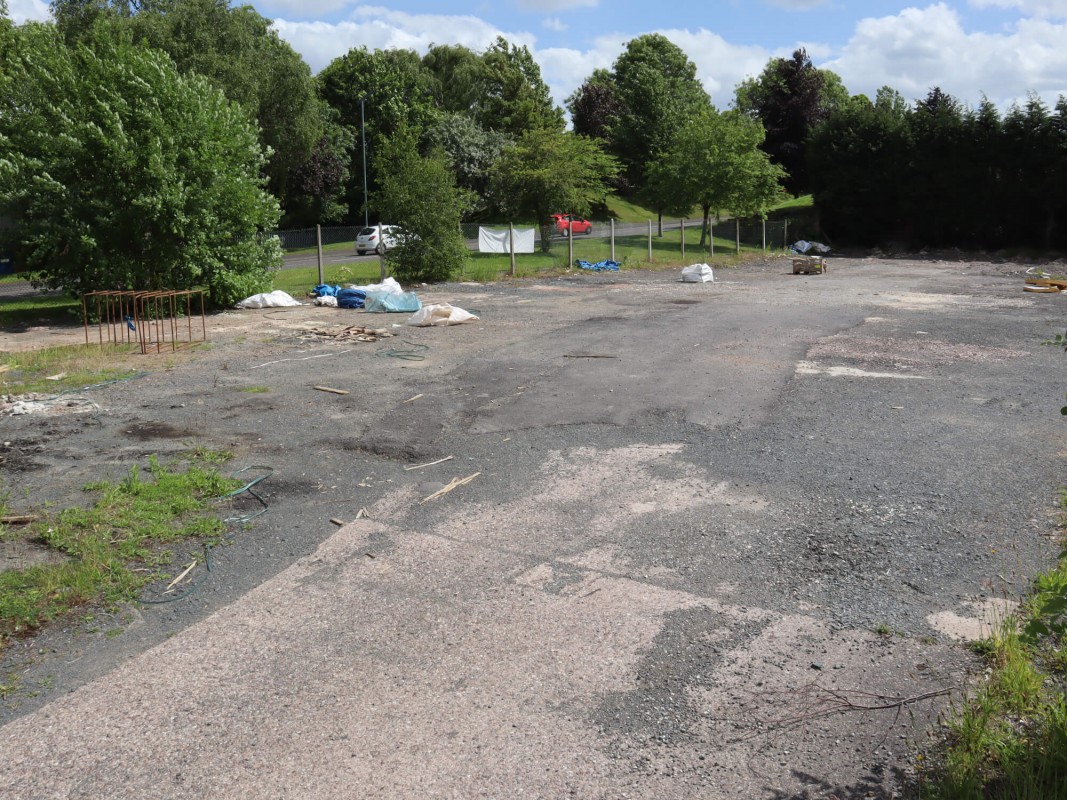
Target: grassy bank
[[1008, 738]]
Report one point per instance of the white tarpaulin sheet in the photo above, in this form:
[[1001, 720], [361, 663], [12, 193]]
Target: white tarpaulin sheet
[[490, 241]]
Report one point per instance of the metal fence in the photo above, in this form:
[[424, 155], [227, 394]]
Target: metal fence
[[634, 243]]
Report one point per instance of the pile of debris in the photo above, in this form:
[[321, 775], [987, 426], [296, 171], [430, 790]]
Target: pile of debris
[[350, 333]]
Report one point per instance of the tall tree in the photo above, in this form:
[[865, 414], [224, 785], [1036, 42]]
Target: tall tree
[[790, 97], [472, 151], [239, 52], [658, 90], [418, 193], [515, 98], [858, 159], [547, 171], [716, 162], [595, 105], [121, 173], [458, 77], [395, 89]]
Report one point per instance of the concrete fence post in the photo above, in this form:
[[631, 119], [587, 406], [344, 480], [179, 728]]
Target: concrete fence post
[[318, 247], [613, 240], [650, 241], [681, 224], [511, 246]]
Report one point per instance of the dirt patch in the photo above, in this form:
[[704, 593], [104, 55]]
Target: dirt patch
[[21, 554], [923, 352], [148, 431]]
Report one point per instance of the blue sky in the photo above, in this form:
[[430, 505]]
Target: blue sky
[[1001, 48]]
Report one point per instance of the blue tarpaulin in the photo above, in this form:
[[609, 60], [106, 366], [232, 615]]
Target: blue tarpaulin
[[351, 298], [600, 266], [325, 290]]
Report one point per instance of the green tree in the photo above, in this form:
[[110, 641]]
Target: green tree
[[547, 171], [396, 91], [595, 105], [716, 162], [515, 98], [658, 90], [791, 97], [858, 161], [236, 49], [418, 193], [121, 173], [458, 78], [472, 151]]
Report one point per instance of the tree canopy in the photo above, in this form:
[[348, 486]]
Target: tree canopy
[[121, 173], [791, 97], [657, 88], [236, 49], [418, 193], [546, 171], [716, 162]]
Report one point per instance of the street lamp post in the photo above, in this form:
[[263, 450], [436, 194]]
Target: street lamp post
[[363, 136]]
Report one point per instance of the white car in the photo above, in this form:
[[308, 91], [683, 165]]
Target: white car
[[367, 239]]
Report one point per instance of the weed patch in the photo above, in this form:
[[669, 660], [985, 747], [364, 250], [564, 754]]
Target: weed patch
[[116, 545], [1008, 739], [53, 370]]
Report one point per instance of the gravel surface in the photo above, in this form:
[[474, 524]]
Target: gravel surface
[[697, 506]]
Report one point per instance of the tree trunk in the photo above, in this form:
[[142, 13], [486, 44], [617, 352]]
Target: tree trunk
[[704, 226], [660, 224], [546, 236]]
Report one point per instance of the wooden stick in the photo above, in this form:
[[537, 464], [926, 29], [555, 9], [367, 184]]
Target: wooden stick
[[363, 513], [18, 519], [336, 521], [420, 466], [177, 580], [331, 391], [412, 399], [455, 483]]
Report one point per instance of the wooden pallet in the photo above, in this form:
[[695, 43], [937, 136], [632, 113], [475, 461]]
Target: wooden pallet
[[1044, 286], [809, 265]]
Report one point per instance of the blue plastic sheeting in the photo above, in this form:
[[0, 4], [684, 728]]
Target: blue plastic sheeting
[[600, 266], [391, 302], [325, 290], [351, 298]]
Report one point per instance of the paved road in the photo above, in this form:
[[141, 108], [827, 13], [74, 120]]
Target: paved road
[[689, 507]]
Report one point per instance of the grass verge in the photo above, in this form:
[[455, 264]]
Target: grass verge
[[105, 553], [52, 370], [1008, 738]]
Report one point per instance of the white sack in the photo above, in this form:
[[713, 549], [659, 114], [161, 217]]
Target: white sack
[[439, 314], [326, 300], [275, 299], [388, 286], [698, 273]]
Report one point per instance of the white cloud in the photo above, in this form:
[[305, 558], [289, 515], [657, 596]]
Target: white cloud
[[921, 48], [1036, 8], [554, 24], [26, 10], [379, 28]]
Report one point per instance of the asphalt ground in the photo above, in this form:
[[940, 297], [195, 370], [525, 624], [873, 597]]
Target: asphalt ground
[[708, 527]]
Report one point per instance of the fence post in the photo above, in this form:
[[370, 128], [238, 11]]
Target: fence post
[[711, 238], [612, 240], [681, 223], [737, 234], [650, 241], [570, 245], [511, 246], [785, 236], [381, 253], [318, 246], [764, 224]]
